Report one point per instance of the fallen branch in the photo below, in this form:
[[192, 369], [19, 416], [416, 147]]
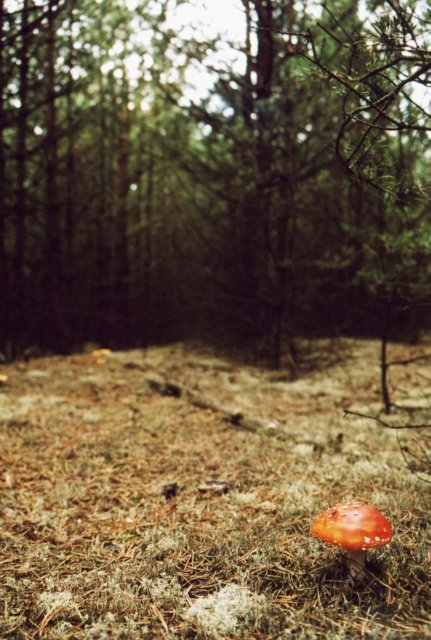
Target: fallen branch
[[231, 415]]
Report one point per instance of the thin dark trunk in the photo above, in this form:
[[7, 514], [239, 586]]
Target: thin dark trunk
[[247, 89], [148, 259], [104, 320], [278, 219], [121, 282], [53, 226], [384, 366], [283, 255], [257, 203], [265, 55], [21, 164], [71, 156], [70, 188], [270, 302], [4, 285]]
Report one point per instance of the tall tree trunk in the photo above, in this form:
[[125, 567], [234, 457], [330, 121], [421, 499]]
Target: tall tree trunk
[[105, 225], [121, 281], [278, 220], [255, 216], [384, 366], [4, 279], [148, 252], [284, 286], [283, 248], [247, 85], [258, 213], [103, 263], [53, 249], [21, 170], [69, 276]]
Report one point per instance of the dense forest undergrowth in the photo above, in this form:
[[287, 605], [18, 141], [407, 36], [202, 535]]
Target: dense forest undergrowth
[[134, 506]]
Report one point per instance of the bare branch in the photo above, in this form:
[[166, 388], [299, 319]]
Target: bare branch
[[406, 460], [385, 424], [407, 361]]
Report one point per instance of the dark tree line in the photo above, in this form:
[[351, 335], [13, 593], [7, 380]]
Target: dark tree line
[[290, 201]]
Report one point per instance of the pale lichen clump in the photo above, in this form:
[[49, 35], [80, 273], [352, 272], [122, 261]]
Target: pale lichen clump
[[17, 408], [370, 469], [111, 626], [245, 497], [163, 589], [222, 613], [382, 499], [300, 495], [162, 540], [57, 603], [92, 416], [303, 449]]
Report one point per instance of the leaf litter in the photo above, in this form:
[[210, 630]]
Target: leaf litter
[[95, 546]]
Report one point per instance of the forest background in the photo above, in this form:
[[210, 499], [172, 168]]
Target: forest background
[[291, 199]]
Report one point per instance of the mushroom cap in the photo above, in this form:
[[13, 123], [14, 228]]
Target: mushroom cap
[[352, 525]]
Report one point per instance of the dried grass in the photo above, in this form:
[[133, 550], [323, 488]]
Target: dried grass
[[92, 549]]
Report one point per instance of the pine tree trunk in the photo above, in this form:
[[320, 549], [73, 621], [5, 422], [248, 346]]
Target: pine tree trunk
[[148, 251], [21, 170], [122, 267], [103, 263], [70, 191], [4, 284], [254, 231], [53, 249]]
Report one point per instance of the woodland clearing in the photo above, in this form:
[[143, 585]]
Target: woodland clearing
[[168, 493]]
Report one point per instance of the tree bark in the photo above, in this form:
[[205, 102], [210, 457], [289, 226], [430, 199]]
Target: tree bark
[[148, 252], [264, 68], [21, 167], [384, 366], [247, 85], [257, 202], [4, 284], [53, 248], [122, 266], [70, 186], [103, 262]]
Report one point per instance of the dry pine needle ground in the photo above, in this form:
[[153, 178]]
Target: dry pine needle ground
[[93, 545]]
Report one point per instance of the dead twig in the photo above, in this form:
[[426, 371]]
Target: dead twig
[[407, 361], [385, 424]]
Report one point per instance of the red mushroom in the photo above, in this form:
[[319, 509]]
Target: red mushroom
[[355, 527]]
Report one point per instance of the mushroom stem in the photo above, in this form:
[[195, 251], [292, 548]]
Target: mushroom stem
[[356, 560]]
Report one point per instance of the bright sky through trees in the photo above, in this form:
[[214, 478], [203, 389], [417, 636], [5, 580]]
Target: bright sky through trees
[[195, 19], [205, 20]]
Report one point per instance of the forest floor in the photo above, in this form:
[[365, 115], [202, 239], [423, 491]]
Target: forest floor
[[168, 493]]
